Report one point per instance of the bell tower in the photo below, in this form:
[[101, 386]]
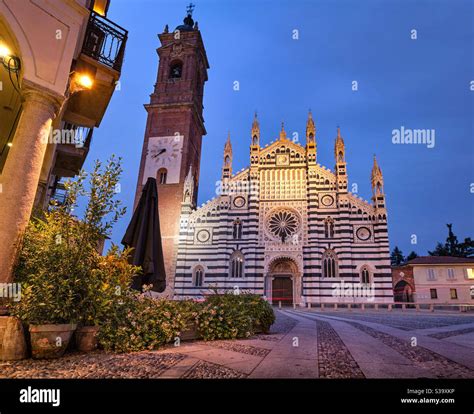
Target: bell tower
[[174, 129]]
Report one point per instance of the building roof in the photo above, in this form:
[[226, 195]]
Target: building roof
[[439, 260]]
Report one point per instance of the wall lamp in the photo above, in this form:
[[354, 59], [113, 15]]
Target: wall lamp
[[10, 62], [80, 81]]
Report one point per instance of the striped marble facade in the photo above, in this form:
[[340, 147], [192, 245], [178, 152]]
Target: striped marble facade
[[286, 216]]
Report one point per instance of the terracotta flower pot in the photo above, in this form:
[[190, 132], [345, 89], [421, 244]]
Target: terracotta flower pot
[[50, 341], [86, 338]]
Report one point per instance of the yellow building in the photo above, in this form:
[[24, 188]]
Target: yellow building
[[60, 62], [443, 279]]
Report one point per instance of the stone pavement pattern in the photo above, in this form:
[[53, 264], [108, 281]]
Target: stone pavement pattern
[[302, 344]]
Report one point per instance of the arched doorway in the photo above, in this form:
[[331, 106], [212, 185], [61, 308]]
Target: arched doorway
[[282, 281], [402, 292]]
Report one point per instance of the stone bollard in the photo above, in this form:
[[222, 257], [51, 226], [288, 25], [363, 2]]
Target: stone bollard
[[322, 306], [404, 306], [376, 306], [279, 304], [431, 308], [417, 307], [349, 307], [309, 305], [390, 307], [362, 306], [335, 306], [12, 339], [294, 305]]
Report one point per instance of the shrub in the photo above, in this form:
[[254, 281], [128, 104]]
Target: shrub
[[229, 316], [141, 322]]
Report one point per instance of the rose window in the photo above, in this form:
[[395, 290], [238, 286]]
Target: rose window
[[283, 224]]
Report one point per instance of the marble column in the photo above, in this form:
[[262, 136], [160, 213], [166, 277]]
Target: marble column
[[22, 169]]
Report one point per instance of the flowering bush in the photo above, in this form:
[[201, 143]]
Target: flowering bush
[[141, 322], [230, 316]]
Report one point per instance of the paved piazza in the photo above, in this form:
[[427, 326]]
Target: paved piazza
[[302, 344]]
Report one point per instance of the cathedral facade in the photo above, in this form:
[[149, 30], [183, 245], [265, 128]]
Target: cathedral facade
[[286, 227]]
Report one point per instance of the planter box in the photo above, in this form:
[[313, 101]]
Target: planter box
[[12, 339], [190, 333], [50, 341], [86, 338]]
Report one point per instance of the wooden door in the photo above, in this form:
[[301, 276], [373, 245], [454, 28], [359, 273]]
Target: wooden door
[[282, 290]]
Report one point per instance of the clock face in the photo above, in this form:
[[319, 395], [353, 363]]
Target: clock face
[[327, 200], [282, 159], [164, 152], [363, 233]]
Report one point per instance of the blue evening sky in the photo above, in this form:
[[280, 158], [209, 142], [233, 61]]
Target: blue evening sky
[[418, 84]]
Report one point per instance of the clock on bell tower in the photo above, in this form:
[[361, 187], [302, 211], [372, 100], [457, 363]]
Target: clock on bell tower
[[174, 128]]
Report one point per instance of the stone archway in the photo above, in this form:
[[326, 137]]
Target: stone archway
[[402, 292], [283, 282]]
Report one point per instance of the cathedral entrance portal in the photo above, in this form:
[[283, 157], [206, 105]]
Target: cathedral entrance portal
[[283, 282], [282, 290]]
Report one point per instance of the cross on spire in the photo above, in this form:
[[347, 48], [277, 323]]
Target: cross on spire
[[190, 9]]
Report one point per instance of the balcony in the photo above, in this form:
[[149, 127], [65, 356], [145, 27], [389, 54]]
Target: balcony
[[70, 157], [105, 41], [101, 58]]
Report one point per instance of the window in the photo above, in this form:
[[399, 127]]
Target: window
[[329, 264], [453, 293], [329, 228], [365, 275], [162, 175], [450, 273], [237, 230], [434, 294], [431, 274], [237, 265], [176, 70], [198, 278], [470, 273]]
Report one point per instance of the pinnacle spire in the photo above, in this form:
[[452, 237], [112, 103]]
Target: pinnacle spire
[[282, 132], [310, 128]]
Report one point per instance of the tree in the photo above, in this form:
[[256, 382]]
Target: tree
[[397, 258], [452, 247], [411, 256]]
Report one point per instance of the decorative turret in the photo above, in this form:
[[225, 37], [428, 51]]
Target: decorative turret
[[310, 138], [255, 142], [376, 180], [255, 132], [339, 154], [188, 190], [283, 133], [227, 167], [310, 128], [339, 148]]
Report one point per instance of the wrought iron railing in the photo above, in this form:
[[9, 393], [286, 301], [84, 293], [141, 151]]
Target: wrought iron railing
[[59, 196], [105, 41]]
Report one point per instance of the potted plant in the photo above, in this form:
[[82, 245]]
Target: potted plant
[[58, 259]]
